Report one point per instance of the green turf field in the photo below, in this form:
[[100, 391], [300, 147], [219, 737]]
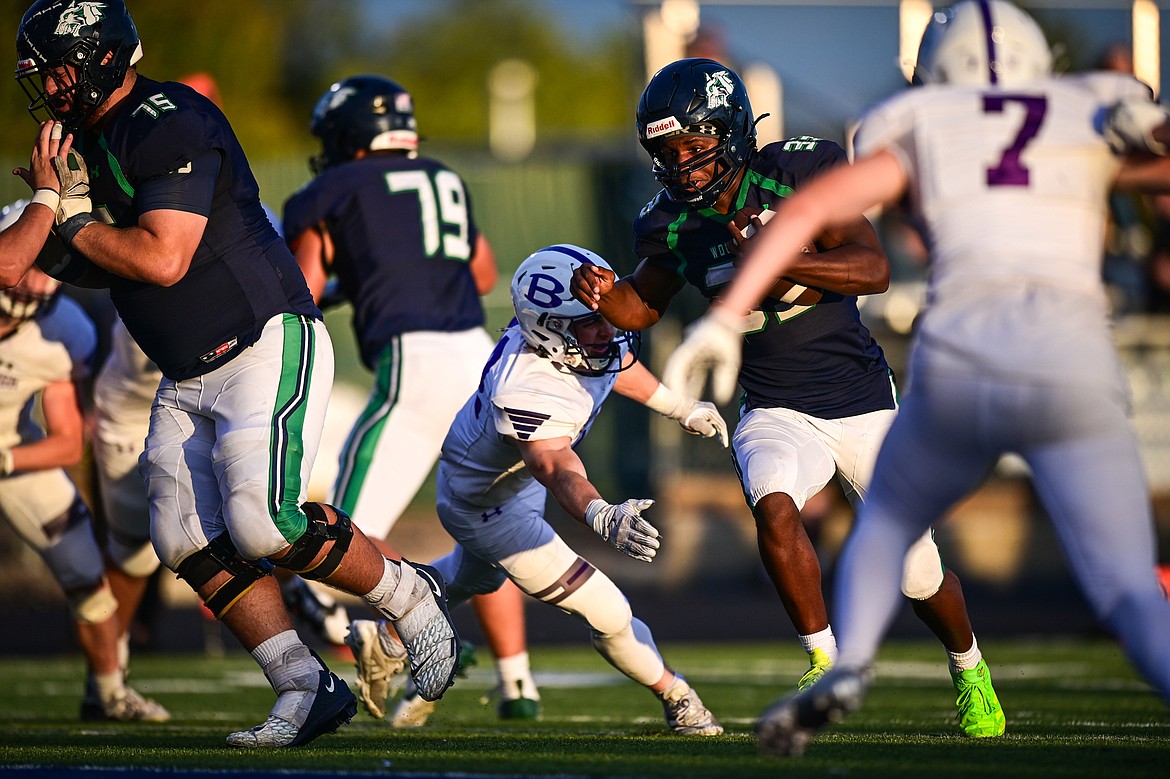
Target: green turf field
[[1074, 709]]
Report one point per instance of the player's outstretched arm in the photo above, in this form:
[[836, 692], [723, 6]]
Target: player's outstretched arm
[[555, 465], [695, 416]]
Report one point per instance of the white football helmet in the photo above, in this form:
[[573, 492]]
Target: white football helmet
[[546, 309], [35, 291], [982, 42]]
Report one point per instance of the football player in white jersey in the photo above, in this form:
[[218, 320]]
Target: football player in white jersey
[[46, 344], [1008, 168], [512, 443]]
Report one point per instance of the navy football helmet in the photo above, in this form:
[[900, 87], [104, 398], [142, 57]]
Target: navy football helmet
[[363, 112], [65, 43], [697, 97]]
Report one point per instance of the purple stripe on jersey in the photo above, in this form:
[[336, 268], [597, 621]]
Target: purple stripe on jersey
[[988, 29]]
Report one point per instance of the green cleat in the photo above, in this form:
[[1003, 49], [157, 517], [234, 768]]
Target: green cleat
[[819, 664], [980, 715]]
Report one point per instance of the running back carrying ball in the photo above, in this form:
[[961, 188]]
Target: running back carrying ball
[[784, 290]]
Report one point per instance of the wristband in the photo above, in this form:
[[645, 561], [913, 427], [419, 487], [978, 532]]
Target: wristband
[[69, 229], [665, 401], [46, 197], [7, 463]]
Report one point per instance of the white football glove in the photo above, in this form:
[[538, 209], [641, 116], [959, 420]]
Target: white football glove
[[1130, 126], [623, 526], [713, 345], [74, 178], [704, 419]]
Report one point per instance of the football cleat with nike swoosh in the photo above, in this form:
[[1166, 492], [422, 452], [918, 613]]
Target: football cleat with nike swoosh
[[427, 631], [318, 713]]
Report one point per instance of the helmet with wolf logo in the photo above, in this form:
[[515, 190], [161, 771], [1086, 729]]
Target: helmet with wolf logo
[[697, 97], [363, 112], [72, 55]]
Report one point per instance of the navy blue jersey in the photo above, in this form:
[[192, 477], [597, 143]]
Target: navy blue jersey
[[819, 360], [402, 235], [242, 274]]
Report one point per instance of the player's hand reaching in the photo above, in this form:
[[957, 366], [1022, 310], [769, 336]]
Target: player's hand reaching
[[702, 418], [623, 526], [713, 345], [590, 283]]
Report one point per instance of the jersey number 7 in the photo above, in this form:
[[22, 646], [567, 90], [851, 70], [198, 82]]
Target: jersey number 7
[[1010, 171]]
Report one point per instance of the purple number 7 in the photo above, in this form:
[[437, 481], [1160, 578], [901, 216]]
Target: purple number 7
[[1009, 172]]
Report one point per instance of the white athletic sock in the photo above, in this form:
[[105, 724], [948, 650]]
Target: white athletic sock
[[823, 640], [272, 649], [965, 661], [109, 685], [288, 663], [515, 677]]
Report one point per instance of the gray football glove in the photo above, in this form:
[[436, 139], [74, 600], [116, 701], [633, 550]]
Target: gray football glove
[[74, 178], [623, 526], [702, 418]]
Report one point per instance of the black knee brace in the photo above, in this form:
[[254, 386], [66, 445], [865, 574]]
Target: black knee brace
[[319, 531], [220, 555]]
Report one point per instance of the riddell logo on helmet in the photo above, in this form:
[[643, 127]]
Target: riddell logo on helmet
[[662, 127]]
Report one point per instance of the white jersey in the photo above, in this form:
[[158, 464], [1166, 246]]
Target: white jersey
[[55, 346], [1011, 185], [125, 386], [522, 397]]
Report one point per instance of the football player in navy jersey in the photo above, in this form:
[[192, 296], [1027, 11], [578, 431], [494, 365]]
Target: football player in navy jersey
[[396, 230], [1009, 168], [164, 209], [818, 394]]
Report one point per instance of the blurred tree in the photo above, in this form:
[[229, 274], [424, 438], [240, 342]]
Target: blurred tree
[[442, 53]]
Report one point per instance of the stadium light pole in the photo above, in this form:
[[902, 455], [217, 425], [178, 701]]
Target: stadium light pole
[[666, 31], [1147, 64]]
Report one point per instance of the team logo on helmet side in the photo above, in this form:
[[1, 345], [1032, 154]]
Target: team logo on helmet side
[[545, 291], [719, 89], [75, 17], [336, 99]]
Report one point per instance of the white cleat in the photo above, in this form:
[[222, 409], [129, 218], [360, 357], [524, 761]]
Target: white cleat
[[323, 711], [685, 713], [427, 632], [131, 706], [376, 667], [787, 726], [412, 711]]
